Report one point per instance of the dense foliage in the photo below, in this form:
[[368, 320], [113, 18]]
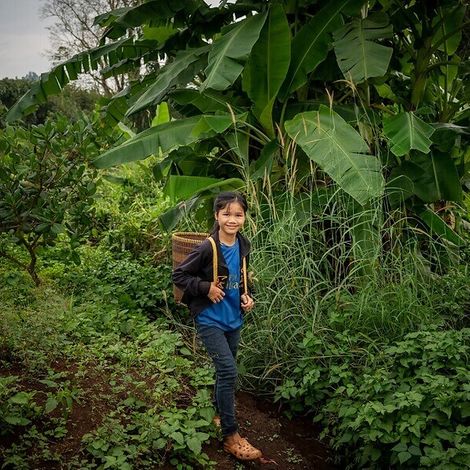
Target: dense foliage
[[46, 187], [344, 123], [406, 406], [73, 102], [380, 86], [61, 355]]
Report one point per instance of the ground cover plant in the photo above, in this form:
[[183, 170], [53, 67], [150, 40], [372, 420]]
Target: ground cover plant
[[64, 361], [89, 380]]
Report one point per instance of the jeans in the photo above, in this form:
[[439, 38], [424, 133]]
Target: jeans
[[222, 348]]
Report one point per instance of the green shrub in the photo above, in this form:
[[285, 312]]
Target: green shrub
[[128, 284], [451, 297], [127, 206], [46, 188], [406, 406]]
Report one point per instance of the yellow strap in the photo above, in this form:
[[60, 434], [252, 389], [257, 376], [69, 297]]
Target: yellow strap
[[245, 277], [215, 261]]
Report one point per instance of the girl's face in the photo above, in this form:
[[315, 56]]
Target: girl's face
[[231, 218]]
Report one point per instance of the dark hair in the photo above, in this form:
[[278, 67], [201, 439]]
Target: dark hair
[[223, 200]]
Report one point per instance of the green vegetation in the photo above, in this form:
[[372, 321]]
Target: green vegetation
[[72, 103], [344, 124], [69, 357], [374, 348], [46, 187]]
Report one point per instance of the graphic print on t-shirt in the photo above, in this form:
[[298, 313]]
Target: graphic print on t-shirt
[[233, 282]]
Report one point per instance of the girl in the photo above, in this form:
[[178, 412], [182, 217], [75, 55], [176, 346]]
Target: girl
[[217, 308]]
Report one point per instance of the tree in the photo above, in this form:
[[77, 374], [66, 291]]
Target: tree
[[46, 188], [372, 97], [74, 31], [11, 90]]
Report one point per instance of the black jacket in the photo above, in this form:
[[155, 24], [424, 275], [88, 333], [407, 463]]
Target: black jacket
[[195, 274]]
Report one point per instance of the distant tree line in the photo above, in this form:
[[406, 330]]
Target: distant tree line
[[71, 103]]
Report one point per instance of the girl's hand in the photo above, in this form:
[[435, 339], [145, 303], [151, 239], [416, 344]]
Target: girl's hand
[[247, 302], [216, 294]]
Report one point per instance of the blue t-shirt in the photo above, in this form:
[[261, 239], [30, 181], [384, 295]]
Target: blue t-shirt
[[226, 314]]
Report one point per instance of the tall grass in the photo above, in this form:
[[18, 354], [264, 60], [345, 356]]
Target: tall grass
[[323, 265]]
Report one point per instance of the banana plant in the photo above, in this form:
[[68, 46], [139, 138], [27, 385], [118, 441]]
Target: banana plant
[[371, 93]]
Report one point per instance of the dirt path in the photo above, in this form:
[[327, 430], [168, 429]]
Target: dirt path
[[290, 444]]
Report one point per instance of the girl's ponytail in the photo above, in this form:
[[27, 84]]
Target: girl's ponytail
[[215, 228]]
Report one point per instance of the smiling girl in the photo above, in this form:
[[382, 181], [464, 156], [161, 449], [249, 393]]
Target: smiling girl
[[218, 306]]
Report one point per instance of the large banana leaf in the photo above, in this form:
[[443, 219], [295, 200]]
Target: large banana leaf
[[430, 177], [190, 160], [183, 187], [340, 151], [210, 101], [114, 109], [52, 83], [185, 65], [359, 58], [310, 45], [152, 13], [268, 64], [406, 131], [230, 50], [165, 137]]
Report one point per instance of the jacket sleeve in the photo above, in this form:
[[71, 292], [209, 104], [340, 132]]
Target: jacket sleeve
[[186, 275]]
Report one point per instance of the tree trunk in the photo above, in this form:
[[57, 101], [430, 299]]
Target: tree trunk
[[32, 272], [31, 268]]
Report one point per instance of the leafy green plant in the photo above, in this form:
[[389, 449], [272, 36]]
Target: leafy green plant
[[63, 395], [127, 284], [405, 407], [17, 408], [46, 188], [151, 438]]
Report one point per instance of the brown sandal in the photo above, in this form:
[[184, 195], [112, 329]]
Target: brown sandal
[[243, 450]]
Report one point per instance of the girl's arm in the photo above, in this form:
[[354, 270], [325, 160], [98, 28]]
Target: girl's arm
[[186, 275]]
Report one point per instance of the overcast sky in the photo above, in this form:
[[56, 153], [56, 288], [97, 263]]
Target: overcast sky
[[24, 38]]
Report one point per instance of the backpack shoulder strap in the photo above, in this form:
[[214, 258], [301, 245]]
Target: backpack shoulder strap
[[215, 260], [245, 277]]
